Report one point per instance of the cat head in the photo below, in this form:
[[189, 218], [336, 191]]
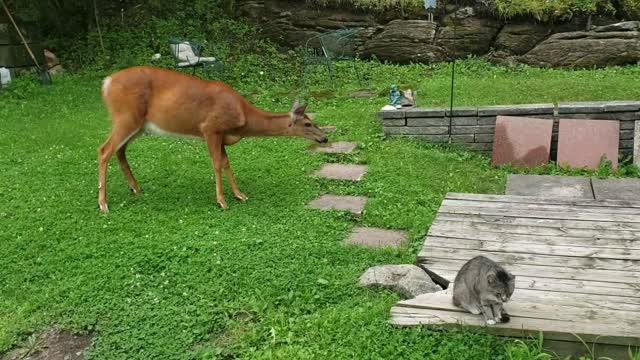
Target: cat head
[[500, 285]]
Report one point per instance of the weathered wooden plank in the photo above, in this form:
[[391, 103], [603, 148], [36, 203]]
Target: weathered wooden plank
[[542, 200], [519, 327], [531, 247], [562, 285], [429, 252], [556, 272], [560, 224], [539, 214], [442, 226], [542, 207], [533, 309]]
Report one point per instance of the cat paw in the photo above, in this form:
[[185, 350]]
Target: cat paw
[[475, 311], [491, 322]]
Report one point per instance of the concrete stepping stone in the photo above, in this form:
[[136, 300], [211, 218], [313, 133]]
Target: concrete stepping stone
[[582, 143], [376, 237], [339, 147], [353, 204], [548, 186], [521, 141], [616, 189], [342, 172]]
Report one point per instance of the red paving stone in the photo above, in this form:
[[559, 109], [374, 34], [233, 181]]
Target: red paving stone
[[521, 141], [582, 143]]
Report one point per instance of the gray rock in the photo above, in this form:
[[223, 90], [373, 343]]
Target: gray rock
[[621, 26], [407, 280], [518, 39], [586, 49], [472, 36], [405, 41]]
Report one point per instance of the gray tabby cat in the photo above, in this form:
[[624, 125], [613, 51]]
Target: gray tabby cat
[[481, 287]]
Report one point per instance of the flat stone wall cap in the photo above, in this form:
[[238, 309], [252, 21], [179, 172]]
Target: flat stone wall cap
[[391, 114], [581, 107], [425, 112], [463, 111], [518, 109], [612, 106]]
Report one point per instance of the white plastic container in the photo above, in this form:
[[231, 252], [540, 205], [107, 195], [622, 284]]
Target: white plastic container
[[5, 77]]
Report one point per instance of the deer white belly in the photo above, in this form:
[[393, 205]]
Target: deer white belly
[[153, 129]]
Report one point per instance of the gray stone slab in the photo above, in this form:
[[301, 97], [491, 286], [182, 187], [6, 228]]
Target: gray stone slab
[[462, 111], [342, 172], [581, 107], [353, 204], [431, 112], [550, 186], [616, 189], [376, 237], [338, 147], [391, 114], [636, 144], [362, 93], [524, 109]]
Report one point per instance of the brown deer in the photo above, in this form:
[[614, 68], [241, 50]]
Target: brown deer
[[164, 102]]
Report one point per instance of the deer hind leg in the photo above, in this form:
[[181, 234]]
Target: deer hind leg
[[124, 165], [227, 169], [214, 143], [120, 136]]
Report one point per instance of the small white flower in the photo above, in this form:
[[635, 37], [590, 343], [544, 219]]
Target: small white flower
[[261, 72]]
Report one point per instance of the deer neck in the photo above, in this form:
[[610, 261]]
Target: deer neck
[[264, 123]]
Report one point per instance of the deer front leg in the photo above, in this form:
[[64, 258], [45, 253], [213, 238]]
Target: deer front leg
[[227, 169], [214, 143]]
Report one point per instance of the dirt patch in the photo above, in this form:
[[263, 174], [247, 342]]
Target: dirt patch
[[54, 344]]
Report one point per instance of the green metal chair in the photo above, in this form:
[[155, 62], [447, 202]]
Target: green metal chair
[[188, 54], [326, 48]]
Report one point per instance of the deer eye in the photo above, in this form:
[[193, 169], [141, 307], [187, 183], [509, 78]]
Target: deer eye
[[307, 125]]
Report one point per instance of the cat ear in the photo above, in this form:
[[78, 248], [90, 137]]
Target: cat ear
[[491, 278]]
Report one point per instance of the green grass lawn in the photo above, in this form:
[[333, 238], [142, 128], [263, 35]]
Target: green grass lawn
[[170, 275]]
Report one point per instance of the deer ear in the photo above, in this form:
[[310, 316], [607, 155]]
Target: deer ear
[[297, 110]]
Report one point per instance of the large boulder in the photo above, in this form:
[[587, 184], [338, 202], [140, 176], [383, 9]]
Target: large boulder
[[473, 35], [518, 39], [407, 280], [586, 49], [405, 41]]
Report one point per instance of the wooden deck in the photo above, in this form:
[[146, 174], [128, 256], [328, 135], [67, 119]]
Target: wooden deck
[[577, 267]]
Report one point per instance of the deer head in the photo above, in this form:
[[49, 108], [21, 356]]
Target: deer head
[[303, 126]]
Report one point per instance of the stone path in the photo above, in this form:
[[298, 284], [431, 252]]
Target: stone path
[[353, 204], [339, 147], [377, 238], [342, 172], [573, 187]]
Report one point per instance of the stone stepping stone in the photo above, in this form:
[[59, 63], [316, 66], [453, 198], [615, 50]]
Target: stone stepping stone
[[353, 204], [582, 143], [342, 172], [339, 147], [329, 128], [376, 237], [548, 186], [616, 189], [521, 141]]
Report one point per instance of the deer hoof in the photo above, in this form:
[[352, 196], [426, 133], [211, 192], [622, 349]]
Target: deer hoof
[[104, 208], [223, 205], [135, 191], [240, 196]]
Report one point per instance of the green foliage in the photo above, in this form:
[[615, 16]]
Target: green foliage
[[169, 275]]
